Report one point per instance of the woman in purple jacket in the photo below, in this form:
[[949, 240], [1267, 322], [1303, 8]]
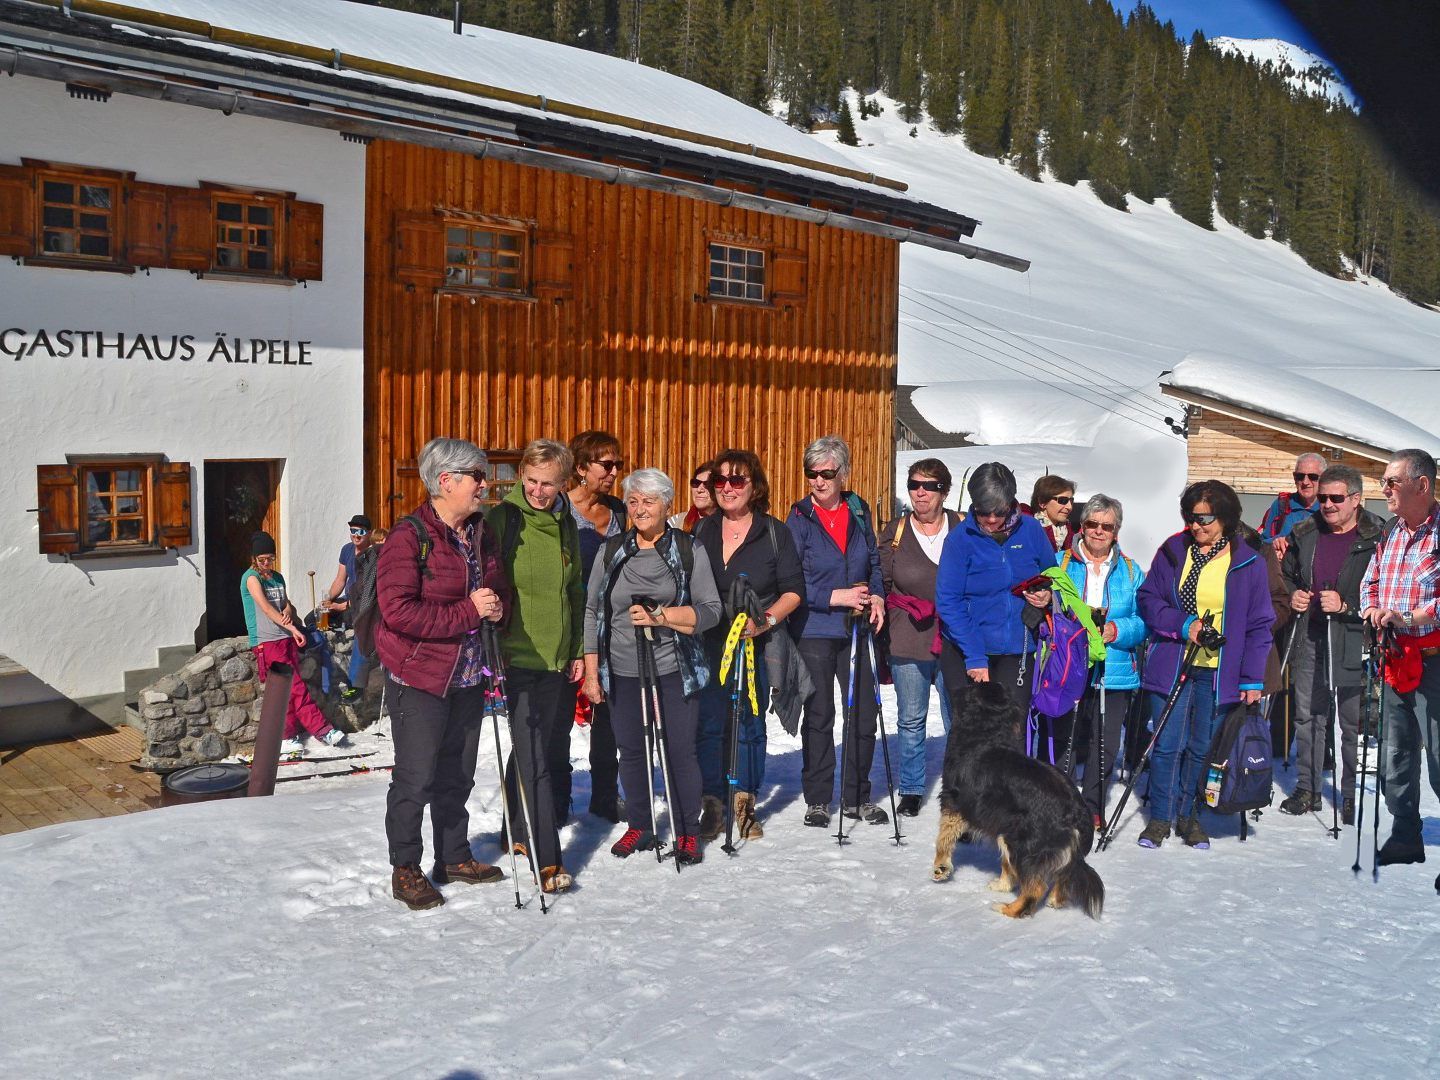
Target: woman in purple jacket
[[1209, 570], [435, 686]]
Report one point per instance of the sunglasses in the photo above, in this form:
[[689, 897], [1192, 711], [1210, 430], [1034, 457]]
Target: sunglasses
[[821, 474], [1099, 526], [698, 483], [610, 464], [735, 481], [992, 513], [264, 560], [927, 485], [478, 475], [1335, 499], [1311, 476], [1064, 500], [1390, 483], [1199, 519], [358, 532]]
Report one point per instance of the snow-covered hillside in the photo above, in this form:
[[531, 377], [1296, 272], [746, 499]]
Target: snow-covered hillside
[[1069, 354], [1308, 72]]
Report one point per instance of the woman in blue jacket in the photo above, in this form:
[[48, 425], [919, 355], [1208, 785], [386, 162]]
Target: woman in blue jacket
[[996, 547], [1108, 581], [841, 562]]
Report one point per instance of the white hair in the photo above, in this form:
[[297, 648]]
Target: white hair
[[651, 482], [830, 448], [442, 455]]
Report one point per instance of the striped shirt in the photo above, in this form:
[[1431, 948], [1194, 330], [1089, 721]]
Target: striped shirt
[[1404, 572]]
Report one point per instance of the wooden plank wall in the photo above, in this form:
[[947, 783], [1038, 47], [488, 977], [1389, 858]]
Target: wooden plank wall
[[632, 349], [1256, 460]]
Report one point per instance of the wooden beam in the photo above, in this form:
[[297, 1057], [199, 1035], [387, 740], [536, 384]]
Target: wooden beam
[[1275, 423]]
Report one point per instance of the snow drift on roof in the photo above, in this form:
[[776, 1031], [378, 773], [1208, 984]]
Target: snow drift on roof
[[525, 65], [1287, 394]]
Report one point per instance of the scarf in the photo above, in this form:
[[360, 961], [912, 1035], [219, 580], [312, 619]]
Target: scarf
[[1012, 521], [1198, 562]]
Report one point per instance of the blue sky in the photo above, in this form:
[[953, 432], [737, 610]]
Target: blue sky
[[1228, 18]]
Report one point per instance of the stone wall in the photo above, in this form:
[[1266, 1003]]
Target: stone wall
[[210, 708]]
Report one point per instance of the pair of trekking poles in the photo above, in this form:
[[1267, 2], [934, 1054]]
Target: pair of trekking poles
[[859, 626]]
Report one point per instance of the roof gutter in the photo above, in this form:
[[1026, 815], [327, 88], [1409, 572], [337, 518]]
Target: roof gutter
[[370, 119]]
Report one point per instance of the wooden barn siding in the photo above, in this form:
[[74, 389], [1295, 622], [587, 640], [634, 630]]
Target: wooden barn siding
[[631, 350], [1257, 460]]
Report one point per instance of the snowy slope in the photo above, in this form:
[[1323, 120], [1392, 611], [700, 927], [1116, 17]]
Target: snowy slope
[[1310, 73], [1112, 301], [257, 938]]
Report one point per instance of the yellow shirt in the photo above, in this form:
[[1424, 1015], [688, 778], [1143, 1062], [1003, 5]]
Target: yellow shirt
[[1210, 596]]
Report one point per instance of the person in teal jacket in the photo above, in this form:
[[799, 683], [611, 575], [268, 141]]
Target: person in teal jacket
[[987, 637], [1108, 579]]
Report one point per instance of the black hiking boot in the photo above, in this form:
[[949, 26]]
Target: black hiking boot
[[1392, 853], [909, 806], [1302, 802], [817, 815], [1347, 811]]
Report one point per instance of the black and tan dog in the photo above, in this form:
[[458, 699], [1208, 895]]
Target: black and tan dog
[[1032, 811]]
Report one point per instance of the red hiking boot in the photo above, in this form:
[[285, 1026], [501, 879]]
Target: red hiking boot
[[634, 840], [687, 851]]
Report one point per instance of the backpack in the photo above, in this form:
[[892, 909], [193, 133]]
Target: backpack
[[367, 601], [1062, 664], [1240, 772]]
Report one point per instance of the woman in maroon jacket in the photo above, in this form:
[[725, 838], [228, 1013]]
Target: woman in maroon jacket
[[428, 641]]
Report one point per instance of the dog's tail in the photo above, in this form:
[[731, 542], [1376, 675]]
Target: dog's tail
[[1083, 886]]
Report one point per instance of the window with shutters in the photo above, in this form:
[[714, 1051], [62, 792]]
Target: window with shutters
[[78, 218], [247, 234], [485, 257], [737, 273], [131, 504]]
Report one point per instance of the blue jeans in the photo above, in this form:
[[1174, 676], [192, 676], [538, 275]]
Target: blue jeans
[[1178, 762], [710, 745], [913, 679]]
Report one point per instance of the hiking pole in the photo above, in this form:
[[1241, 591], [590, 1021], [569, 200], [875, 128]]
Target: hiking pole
[[1387, 637], [662, 744], [1288, 689], [1367, 660], [495, 665], [732, 774], [647, 727], [1181, 678], [884, 744], [846, 733], [1336, 749]]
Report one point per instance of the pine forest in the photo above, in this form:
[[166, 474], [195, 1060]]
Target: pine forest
[[1068, 88]]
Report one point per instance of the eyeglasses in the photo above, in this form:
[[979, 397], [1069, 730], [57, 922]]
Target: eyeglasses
[[1390, 483], [1311, 476], [1099, 526], [264, 560], [821, 474], [736, 481], [1199, 519], [358, 532], [1336, 499], [1064, 500], [927, 485], [610, 464]]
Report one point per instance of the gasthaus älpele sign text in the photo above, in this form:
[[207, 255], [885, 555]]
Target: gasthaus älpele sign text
[[17, 343]]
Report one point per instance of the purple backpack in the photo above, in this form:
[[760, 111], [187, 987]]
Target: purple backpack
[[1062, 664]]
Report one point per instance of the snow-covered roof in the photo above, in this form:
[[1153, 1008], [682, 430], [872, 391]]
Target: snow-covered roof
[[1295, 397]]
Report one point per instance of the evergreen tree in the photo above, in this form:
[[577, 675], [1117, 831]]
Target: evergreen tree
[[1109, 168], [846, 133], [1025, 129], [1193, 190], [909, 90], [987, 98]]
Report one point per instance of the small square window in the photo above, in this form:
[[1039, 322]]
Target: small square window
[[116, 505], [245, 237], [77, 220], [737, 273], [485, 257]]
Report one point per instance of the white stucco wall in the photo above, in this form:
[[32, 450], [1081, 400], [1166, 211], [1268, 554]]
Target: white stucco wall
[[80, 625]]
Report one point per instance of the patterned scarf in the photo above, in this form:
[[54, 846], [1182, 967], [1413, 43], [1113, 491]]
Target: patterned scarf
[[1198, 563], [1012, 522]]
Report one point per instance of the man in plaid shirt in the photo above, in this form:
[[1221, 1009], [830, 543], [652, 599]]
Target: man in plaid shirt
[[1401, 591]]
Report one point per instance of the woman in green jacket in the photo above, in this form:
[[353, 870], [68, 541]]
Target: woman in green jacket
[[543, 645]]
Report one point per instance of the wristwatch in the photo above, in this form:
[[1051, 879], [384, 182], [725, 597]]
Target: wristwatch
[[1408, 618], [769, 621]]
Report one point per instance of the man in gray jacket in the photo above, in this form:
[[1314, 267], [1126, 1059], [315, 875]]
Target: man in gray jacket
[[1323, 567]]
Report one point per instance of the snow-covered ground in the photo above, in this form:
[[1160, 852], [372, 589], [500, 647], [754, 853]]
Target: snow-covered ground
[[1071, 352], [257, 938]]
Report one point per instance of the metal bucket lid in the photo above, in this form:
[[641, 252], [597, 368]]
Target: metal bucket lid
[[208, 779]]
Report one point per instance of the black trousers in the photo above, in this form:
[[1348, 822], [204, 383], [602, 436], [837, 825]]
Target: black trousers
[[681, 718], [1101, 747], [540, 701], [436, 742], [604, 759], [1004, 671], [828, 661]]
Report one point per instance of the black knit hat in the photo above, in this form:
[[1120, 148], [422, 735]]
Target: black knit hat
[[360, 521], [262, 543]]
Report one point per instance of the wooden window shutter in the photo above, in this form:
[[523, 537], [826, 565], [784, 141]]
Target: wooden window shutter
[[192, 229], [59, 502], [17, 210], [172, 505], [789, 270], [147, 223], [420, 250], [554, 264], [304, 252]]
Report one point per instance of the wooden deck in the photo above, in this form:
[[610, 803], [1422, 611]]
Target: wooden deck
[[73, 780]]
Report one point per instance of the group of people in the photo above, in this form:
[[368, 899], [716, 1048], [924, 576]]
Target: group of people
[[641, 606]]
